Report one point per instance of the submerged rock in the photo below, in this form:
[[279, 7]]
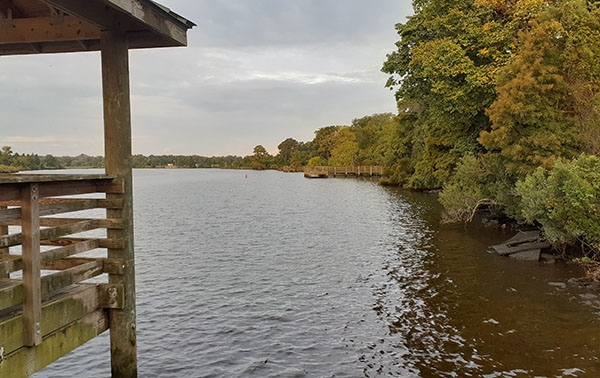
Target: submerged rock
[[560, 285], [531, 255]]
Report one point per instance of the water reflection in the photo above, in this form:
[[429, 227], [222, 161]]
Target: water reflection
[[279, 276]]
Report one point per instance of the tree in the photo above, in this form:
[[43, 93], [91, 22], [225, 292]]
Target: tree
[[260, 158], [324, 141], [444, 71], [345, 150], [286, 149], [6, 155], [539, 116]]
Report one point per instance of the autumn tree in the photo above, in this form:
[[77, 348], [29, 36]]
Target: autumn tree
[[444, 72]]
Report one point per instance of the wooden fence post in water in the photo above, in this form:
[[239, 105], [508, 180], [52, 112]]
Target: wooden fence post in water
[[117, 139], [32, 301]]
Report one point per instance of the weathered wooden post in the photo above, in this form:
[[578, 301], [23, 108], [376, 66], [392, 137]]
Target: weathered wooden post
[[117, 146], [3, 251], [32, 301]]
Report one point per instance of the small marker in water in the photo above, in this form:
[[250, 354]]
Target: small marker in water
[[246, 176]]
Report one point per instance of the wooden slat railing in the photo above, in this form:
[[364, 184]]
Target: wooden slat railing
[[34, 308], [335, 171]]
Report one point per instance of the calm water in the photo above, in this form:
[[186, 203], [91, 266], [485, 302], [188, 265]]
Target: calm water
[[280, 276]]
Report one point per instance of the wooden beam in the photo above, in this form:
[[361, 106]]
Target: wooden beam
[[50, 233], [152, 18], [26, 361], [14, 263], [36, 30], [63, 308], [102, 243], [53, 206], [117, 137], [12, 191], [32, 301], [12, 294], [92, 11], [126, 16]]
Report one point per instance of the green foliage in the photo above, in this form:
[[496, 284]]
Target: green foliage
[[345, 150], [286, 149], [565, 201], [324, 141], [317, 161], [444, 71], [260, 158], [478, 182], [8, 169]]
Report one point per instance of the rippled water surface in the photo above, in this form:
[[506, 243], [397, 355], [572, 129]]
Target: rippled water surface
[[276, 275]]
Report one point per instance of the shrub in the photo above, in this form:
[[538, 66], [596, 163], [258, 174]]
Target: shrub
[[478, 182], [565, 201]]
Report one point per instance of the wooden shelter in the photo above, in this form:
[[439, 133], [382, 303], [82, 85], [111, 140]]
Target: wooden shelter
[[45, 316]]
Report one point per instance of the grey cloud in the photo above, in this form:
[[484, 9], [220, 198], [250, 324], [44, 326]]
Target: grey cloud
[[256, 72]]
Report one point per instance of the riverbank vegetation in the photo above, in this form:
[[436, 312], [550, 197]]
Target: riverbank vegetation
[[498, 108]]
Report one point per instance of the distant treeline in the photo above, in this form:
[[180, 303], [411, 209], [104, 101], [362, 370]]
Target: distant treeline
[[11, 161]]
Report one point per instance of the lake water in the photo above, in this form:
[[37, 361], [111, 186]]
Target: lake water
[[275, 275]]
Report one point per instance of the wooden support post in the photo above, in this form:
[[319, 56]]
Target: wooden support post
[[32, 301], [4, 251], [117, 139]]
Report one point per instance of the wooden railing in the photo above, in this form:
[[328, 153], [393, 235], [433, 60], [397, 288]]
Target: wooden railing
[[43, 317], [334, 171]]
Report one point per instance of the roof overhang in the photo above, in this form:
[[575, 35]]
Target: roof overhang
[[59, 26]]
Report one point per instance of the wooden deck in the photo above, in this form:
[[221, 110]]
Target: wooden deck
[[44, 317], [343, 171]]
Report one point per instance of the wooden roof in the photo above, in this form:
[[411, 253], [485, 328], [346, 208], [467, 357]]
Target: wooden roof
[[57, 26]]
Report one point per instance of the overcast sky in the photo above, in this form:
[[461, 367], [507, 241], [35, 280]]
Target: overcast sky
[[255, 72]]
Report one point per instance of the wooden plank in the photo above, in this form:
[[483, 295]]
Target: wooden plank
[[67, 188], [127, 15], [53, 206], [504, 250], [51, 233], [14, 263], [32, 294], [98, 223], [102, 243], [110, 266], [10, 192], [12, 293], [26, 361], [58, 311], [22, 178], [40, 29], [523, 237], [117, 139], [55, 222], [154, 19]]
